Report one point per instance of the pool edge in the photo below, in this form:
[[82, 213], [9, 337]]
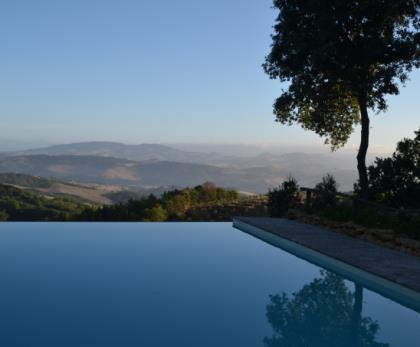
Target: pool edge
[[392, 290]]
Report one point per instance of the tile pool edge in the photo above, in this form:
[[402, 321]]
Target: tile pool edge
[[392, 290]]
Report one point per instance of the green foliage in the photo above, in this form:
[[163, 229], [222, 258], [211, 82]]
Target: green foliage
[[340, 56], [326, 193], [281, 199], [124, 195], [395, 181], [173, 205], [323, 313], [3, 215], [19, 205], [155, 214], [403, 224], [25, 180]]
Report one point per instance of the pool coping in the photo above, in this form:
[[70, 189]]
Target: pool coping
[[391, 273]]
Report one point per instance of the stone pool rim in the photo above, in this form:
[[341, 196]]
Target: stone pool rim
[[269, 230]]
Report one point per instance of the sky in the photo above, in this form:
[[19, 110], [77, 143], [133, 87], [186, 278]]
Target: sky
[[152, 71]]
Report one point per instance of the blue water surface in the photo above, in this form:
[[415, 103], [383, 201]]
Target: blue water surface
[[179, 284]]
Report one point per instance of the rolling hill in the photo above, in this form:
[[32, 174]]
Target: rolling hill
[[141, 152], [84, 193], [153, 174], [157, 152], [148, 174], [20, 205]]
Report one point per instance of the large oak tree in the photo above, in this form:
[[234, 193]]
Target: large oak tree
[[341, 59]]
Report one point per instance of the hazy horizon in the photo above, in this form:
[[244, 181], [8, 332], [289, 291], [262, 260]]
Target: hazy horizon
[[239, 149]]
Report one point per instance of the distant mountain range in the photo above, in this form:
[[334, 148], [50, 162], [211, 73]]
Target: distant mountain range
[[156, 152], [116, 171], [153, 165], [142, 152]]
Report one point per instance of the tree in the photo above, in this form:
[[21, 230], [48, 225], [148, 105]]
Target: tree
[[155, 214], [3, 215], [341, 58], [281, 199], [396, 180], [326, 193], [323, 313]]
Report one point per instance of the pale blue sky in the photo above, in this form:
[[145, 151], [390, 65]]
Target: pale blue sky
[[165, 71]]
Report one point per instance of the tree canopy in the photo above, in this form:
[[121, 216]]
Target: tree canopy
[[340, 59], [323, 313], [396, 180], [21, 205], [172, 205]]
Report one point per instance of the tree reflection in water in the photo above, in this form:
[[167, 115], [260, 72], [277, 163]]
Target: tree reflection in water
[[323, 313]]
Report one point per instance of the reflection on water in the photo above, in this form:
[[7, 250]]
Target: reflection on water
[[179, 284], [323, 313]]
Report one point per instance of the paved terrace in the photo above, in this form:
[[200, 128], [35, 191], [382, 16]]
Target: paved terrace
[[397, 267]]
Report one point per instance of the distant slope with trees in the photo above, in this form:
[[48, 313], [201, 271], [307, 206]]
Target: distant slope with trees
[[86, 193], [24, 180], [19, 205], [205, 202]]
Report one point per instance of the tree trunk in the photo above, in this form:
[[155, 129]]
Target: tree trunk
[[364, 144]]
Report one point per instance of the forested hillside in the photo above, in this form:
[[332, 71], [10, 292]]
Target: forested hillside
[[173, 205], [24, 180], [19, 205], [205, 202], [154, 166]]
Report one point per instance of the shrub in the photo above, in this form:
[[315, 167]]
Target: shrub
[[155, 214], [326, 193], [281, 199], [3, 215], [395, 180]]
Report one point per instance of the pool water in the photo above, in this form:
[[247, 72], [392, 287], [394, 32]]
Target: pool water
[[179, 284]]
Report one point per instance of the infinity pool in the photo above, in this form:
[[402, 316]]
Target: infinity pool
[[179, 284]]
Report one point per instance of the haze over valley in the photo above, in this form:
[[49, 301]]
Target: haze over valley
[[109, 167]]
